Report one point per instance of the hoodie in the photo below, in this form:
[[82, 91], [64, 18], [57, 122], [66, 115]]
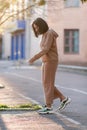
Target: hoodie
[[48, 47]]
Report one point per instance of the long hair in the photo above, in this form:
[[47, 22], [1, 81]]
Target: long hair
[[43, 26]]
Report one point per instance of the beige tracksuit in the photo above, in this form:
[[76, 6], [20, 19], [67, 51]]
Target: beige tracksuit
[[49, 57]]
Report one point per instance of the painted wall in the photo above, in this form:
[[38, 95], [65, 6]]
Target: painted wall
[[69, 18], [14, 41], [32, 43], [6, 46]]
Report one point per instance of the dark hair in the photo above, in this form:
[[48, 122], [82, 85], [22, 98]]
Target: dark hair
[[43, 26]]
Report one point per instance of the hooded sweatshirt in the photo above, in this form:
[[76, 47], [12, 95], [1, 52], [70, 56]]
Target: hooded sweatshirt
[[48, 47]]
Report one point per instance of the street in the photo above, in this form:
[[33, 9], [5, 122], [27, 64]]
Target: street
[[26, 81]]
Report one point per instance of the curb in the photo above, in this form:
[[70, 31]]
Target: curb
[[70, 68], [17, 109]]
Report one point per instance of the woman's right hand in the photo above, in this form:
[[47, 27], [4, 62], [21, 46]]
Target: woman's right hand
[[31, 61]]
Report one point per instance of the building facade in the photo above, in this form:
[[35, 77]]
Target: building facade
[[19, 41], [68, 18]]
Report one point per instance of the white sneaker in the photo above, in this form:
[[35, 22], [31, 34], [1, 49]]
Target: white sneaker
[[64, 103], [45, 110]]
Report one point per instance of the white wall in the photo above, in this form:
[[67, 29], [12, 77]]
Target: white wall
[[6, 49], [32, 43]]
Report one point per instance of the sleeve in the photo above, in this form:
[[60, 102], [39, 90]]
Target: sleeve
[[46, 47]]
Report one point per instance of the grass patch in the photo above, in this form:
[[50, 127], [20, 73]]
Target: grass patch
[[3, 106], [20, 107]]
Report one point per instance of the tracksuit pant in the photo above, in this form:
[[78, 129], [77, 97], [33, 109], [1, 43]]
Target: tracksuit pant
[[48, 79]]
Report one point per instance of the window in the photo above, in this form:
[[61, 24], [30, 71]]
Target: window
[[71, 41], [72, 3]]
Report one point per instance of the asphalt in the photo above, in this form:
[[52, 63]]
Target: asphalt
[[28, 119]]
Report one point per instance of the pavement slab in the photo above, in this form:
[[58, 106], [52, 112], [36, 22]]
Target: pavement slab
[[10, 97], [28, 121]]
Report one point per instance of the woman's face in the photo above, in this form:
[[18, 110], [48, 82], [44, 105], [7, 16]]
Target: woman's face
[[36, 28]]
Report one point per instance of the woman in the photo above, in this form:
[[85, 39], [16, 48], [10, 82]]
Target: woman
[[49, 57]]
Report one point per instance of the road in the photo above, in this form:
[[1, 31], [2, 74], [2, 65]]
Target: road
[[27, 83]]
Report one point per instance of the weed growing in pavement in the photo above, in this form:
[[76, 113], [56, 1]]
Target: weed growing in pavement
[[20, 107]]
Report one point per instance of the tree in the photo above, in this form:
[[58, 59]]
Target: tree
[[5, 5], [84, 1]]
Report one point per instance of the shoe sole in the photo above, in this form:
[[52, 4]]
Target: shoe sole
[[49, 112], [68, 102]]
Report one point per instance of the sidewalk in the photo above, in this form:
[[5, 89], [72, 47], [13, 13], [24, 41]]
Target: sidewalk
[[24, 65], [30, 120], [74, 69], [22, 119]]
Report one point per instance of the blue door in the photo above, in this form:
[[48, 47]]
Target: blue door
[[22, 49], [18, 46], [12, 48]]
